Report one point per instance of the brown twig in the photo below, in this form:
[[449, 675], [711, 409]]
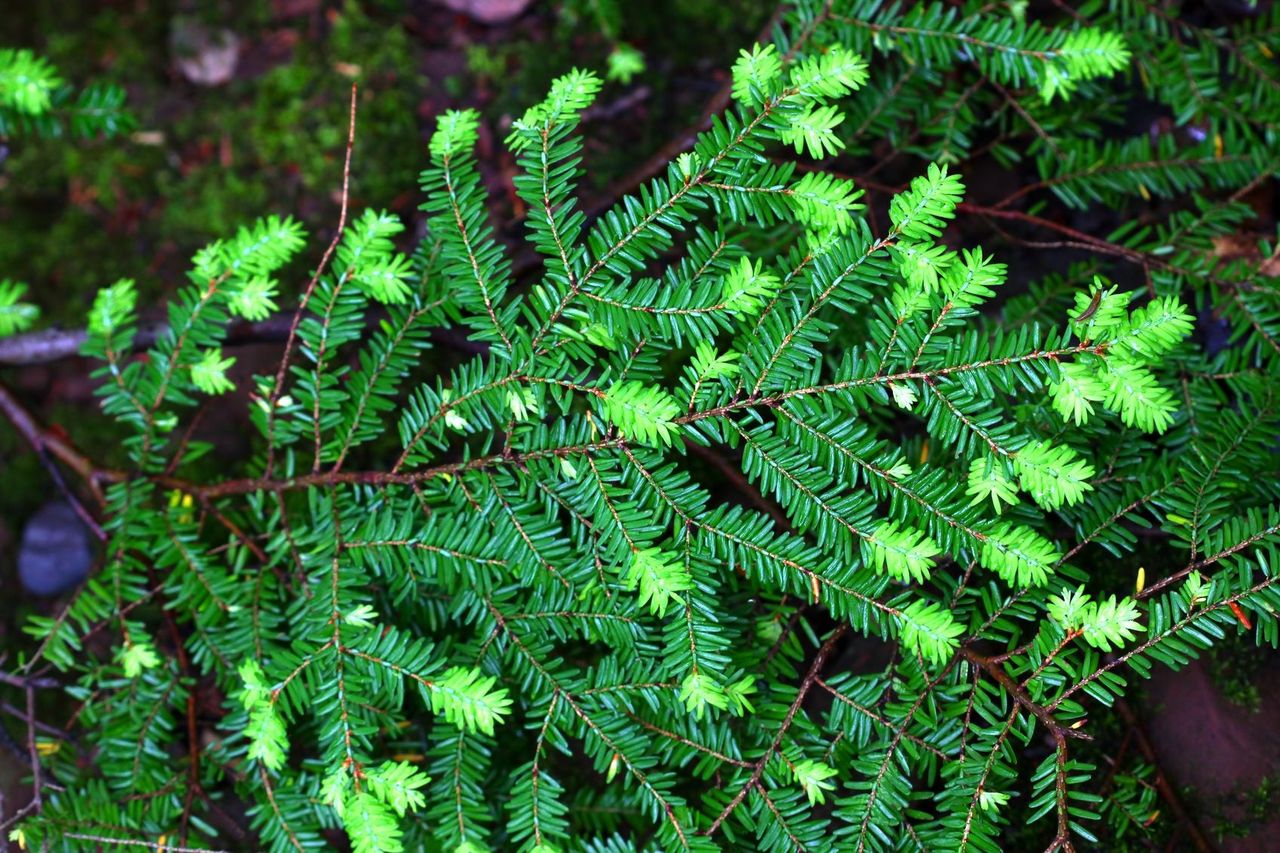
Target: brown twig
[[51, 345], [283, 369], [1166, 790], [810, 678], [49, 729], [37, 782], [26, 681], [160, 847], [1015, 690]]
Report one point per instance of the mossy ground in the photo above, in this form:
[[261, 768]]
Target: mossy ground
[[271, 140]]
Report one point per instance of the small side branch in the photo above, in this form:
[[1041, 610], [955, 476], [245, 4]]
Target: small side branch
[[1001, 676], [810, 678]]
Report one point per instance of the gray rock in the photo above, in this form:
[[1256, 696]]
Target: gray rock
[[56, 550], [488, 11], [205, 56]]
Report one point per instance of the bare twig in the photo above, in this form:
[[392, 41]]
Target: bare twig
[[14, 711], [1166, 790], [27, 681], [33, 754], [283, 369], [160, 847], [34, 435], [51, 345]]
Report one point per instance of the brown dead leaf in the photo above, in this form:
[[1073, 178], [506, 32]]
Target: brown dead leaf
[[1234, 247], [1271, 266]]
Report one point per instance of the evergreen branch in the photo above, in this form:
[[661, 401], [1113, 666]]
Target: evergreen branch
[[636, 772], [275, 808], [464, 234], [911, 467], [1155, 639], [648, 726], [376, 478], [383, 365], [658, 213], [891, 750], [813, 579], [872, 715], [773, 400]]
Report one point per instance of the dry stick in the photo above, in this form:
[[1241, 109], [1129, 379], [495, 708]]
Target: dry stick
[[16, 816], [53, 345], [310, 289], [49, 345], [49, 729], [1080, 236], [34, 435], [25, 423], [159, 847], [27, 681], [1166, 790], [32, 752]]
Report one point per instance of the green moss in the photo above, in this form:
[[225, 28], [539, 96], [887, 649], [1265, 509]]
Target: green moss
[[206, 160], [209, 159], [1235, 665]]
